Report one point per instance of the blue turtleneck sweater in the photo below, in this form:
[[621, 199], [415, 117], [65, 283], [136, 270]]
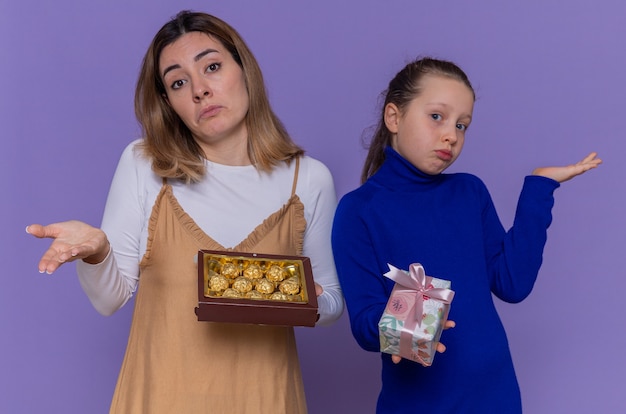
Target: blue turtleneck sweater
[[448, 223]]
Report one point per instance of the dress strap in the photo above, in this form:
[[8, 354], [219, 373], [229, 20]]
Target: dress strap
[[295, 176]]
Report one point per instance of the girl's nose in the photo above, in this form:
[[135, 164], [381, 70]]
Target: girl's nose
[[449, 134]]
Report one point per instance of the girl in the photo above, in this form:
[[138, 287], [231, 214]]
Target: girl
[[407, 211], [216, 170]]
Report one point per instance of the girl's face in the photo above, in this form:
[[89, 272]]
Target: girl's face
[[206, 88], [431, 131]]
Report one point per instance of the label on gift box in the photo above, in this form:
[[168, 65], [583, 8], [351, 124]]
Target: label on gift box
[[400, 304]]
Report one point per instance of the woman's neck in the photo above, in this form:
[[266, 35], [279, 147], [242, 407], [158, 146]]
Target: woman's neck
[[232, 151]]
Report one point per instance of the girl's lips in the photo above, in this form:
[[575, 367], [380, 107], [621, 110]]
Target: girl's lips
[[209, 111], [444, 155]]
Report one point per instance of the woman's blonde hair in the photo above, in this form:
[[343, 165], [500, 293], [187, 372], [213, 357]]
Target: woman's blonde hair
[[167, 140]]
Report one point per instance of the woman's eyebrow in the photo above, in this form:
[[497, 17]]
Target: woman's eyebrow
[[170, 68], [195, 59], [203, 54]]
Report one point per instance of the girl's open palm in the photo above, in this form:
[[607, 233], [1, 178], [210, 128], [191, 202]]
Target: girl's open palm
[[72, 240], [568, 172]]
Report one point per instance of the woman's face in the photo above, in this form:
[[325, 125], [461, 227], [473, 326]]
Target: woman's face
[[430, 132], [206, 88]]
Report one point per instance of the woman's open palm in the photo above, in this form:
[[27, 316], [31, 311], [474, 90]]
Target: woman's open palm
[[72, 240]]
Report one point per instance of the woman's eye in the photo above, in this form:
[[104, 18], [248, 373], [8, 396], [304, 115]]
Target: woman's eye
[[436, 117], [178, 84], [461, 127], [213, 67]]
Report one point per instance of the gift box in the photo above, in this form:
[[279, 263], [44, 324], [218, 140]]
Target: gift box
[[235, 287], [415, 314]]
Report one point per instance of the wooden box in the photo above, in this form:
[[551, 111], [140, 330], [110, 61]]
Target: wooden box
[[235, 287]]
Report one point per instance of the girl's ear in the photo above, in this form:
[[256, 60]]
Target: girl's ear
[[164, 96], [392, 116]]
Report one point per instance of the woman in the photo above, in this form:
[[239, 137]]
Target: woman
[[215, 170]]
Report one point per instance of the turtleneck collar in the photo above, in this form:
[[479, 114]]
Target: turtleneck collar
[[399, 174]]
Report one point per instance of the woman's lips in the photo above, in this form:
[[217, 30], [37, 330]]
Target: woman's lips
[[209, 111]]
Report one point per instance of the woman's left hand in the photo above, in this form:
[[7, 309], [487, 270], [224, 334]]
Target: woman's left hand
[[568, 172]]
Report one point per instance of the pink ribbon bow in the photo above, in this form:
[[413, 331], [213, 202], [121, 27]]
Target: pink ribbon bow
[[416, 280]]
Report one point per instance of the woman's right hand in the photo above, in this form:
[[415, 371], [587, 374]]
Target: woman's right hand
[[72, 240]]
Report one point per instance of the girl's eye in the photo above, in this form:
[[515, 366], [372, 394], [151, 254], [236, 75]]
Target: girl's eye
[[461, 127], [213, 67], [436, 117], [178, 84]]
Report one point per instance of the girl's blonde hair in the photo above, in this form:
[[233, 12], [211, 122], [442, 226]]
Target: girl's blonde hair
[[403, 88]]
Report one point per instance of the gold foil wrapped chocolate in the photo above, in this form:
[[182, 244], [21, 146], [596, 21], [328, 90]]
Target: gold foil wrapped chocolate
[[253, 271], [255, 294], [231, 293], [265, 286], [279, 296], [275, 273], [242, 284], [218, 283], [230, 270], [290, 286]]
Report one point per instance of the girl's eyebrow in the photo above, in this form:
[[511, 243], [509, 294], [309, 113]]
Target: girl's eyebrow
[[195, 59]]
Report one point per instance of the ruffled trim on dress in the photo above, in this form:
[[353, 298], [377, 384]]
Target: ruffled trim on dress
[[152, 223], [299, 224]]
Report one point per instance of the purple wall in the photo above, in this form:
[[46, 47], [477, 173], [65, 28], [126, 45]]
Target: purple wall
[[550, 82]]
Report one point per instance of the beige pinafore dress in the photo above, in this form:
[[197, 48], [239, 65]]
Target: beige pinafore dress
[[175, 364]]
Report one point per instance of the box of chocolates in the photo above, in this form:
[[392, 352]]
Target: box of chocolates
[[235, 287]]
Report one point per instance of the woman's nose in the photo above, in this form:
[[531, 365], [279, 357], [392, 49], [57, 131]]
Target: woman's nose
[[200, 93]]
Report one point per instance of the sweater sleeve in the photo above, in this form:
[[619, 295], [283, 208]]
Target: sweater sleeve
[[111, 283], [321, 200], [365, 291], [514, 257]]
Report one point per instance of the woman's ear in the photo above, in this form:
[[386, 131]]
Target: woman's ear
[[164, 96], [392, 116]]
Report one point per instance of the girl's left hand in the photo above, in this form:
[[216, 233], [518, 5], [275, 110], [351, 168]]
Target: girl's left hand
[[318, 289], [440, 347], [568, 172]]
